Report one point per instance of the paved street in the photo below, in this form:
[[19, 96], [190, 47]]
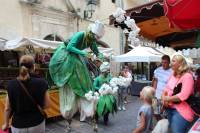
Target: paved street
[[122, 122]]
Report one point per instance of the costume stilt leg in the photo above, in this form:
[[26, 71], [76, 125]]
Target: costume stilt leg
[[68, 125], [106, 118], [95, 126]]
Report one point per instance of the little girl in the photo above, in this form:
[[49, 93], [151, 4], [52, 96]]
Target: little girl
[[145, 113], [121, 92]]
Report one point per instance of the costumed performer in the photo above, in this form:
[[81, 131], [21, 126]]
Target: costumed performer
[[69, 72], [106, 103]]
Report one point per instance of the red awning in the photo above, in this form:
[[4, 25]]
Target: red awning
[[184, 14], [154, 25]]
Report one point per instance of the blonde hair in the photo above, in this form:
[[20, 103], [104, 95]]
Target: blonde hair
[[148, 93], [183, 68], [26, 64]]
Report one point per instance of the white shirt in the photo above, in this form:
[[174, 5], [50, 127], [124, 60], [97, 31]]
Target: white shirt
[[162, 77]]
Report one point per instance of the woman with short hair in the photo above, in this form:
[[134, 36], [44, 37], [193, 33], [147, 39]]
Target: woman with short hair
[[178, 111]]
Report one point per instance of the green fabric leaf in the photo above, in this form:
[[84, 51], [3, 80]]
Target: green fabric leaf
[[114, 103], [67, 66], [112, 98], [115, 106], [109, 104], [106, 103], [105, 110], [100, 106]]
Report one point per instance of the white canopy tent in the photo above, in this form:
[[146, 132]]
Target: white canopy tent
[[20, 43], [140, 54]]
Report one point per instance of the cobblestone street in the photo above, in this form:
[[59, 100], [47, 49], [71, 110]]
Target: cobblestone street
[[122, 122]]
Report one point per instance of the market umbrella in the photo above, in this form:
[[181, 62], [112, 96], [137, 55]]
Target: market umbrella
[[139, 54], [184, 14]]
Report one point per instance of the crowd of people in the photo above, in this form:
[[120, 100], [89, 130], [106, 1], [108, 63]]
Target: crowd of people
[[166, 100], [28, 95]]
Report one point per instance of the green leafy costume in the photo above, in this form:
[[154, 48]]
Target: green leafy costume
[[69, 72], [106, 103]]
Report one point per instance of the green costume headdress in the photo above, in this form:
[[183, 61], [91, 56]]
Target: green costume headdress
[[105, 66]]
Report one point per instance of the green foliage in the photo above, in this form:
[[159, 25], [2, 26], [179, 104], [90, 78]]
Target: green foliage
[[100, 106], [106, 103]]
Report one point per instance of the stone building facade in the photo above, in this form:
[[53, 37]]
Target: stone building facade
[[57, 18], [54, 19]]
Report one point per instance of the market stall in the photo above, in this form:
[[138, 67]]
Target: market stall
[[41, 50], [21, 43], [140, 54], [10, 54]]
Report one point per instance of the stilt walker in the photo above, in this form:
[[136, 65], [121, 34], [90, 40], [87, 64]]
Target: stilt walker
[[69, 72]]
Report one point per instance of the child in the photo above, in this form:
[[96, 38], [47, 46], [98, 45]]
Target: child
[[108, 101], [121, 93], [127, 74], [145, 113], [161, 126]]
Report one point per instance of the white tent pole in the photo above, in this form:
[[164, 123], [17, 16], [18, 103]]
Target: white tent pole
[[148, 71]]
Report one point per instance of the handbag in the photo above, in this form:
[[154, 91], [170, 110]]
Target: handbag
[[177, 89], [6, 131], [32, 99], [193, 101]]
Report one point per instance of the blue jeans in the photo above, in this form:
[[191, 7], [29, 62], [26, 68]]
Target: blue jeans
[[177, 123], [121, 92]]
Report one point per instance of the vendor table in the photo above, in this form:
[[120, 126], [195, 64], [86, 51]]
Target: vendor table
[[53, 111], [137, 85]]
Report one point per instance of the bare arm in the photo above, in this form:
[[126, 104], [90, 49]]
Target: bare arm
[[7, 114], [186, 90], [142, 124], [174, 98], [154, 82], [46, 100]]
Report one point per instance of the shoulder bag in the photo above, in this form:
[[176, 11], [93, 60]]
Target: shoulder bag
[[193, 100], [32, 99]]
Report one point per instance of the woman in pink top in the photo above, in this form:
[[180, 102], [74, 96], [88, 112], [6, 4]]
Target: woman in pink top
[[178, 111]]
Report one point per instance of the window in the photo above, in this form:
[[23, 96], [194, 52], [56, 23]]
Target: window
[[53, 37], [113, 1]]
